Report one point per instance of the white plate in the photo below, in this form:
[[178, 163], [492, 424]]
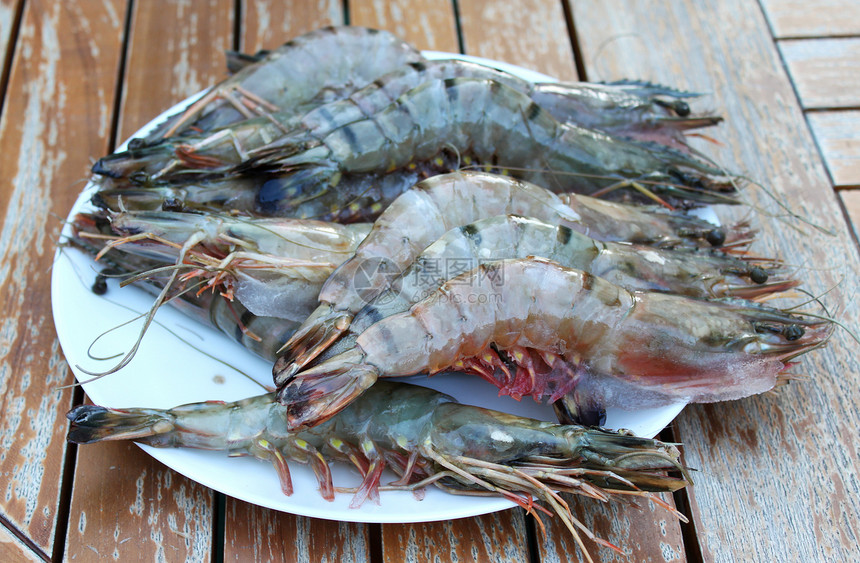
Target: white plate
[[181, 362]]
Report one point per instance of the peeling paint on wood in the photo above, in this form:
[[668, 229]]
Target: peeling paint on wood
[[822, 18], [129, 507], [13, 549], [838, 136], [425, 24], [176, 50], [826, 72], [497, 537], [529, 33], [643, 531], [764, 489], [253, 533], [268, 25], [51, 126]]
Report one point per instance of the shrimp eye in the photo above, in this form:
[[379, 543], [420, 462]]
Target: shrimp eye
[[681, 108], [100, 285], [758, 275], [136, 144], [172, 204], [716, 237], [793, 332]]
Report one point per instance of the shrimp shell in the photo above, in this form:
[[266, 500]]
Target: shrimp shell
[[419, 433], [422, 215], [307, 70], [535, 328], [497, 125]]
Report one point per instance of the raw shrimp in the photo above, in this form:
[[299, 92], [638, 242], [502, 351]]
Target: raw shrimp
[[612, 108], [701, 274], [273, 266], [498, 126], [259, 334], [309, 70], [422, 215], [422, 435], [535, 328]]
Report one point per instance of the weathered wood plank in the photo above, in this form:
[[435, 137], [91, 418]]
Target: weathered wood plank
[[851, 201], [13, 550], [491, 537], [643, 532], [150, 511], [838, 136], [826, 72], [426, 24], [52, 124], [126, 506], [267, 24], [822, 18], [779, 477], [259, 534], [7, 22], [175, 50], [529, 33]]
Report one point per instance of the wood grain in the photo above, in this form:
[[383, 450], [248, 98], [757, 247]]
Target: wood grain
[[851, 201], [267, 24], [643, 532], [52, 124], [175, 50], [822, 18], [13, 550], [7, 21], [136, 507], [529, 33], [426, 24], [259, 534], [126, 506], [500, 536], [779, 472], [838, 136], [826, 72]]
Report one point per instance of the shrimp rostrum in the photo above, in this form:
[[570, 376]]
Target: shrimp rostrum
[[419, 433], [535, 328]]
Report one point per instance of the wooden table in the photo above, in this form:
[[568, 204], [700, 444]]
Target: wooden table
[[778, 477]]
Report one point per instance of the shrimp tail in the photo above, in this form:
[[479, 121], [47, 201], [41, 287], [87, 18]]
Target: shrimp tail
[[308, 343], [91, 423], [322, 393]]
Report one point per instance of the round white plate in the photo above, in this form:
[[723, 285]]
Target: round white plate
[[180, 362]]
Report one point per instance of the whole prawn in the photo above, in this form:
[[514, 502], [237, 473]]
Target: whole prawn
[[535, 328], [495, 125], [422, 435], [621, 109], [274, 266], [307, 70], [422, 215], [694, 274]]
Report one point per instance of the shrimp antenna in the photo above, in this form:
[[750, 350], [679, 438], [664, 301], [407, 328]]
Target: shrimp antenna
[[160, 300], [172, 332], [770, 194], [827, 316]]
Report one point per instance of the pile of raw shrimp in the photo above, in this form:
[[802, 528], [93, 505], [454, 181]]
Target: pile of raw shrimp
[[350, 211]]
